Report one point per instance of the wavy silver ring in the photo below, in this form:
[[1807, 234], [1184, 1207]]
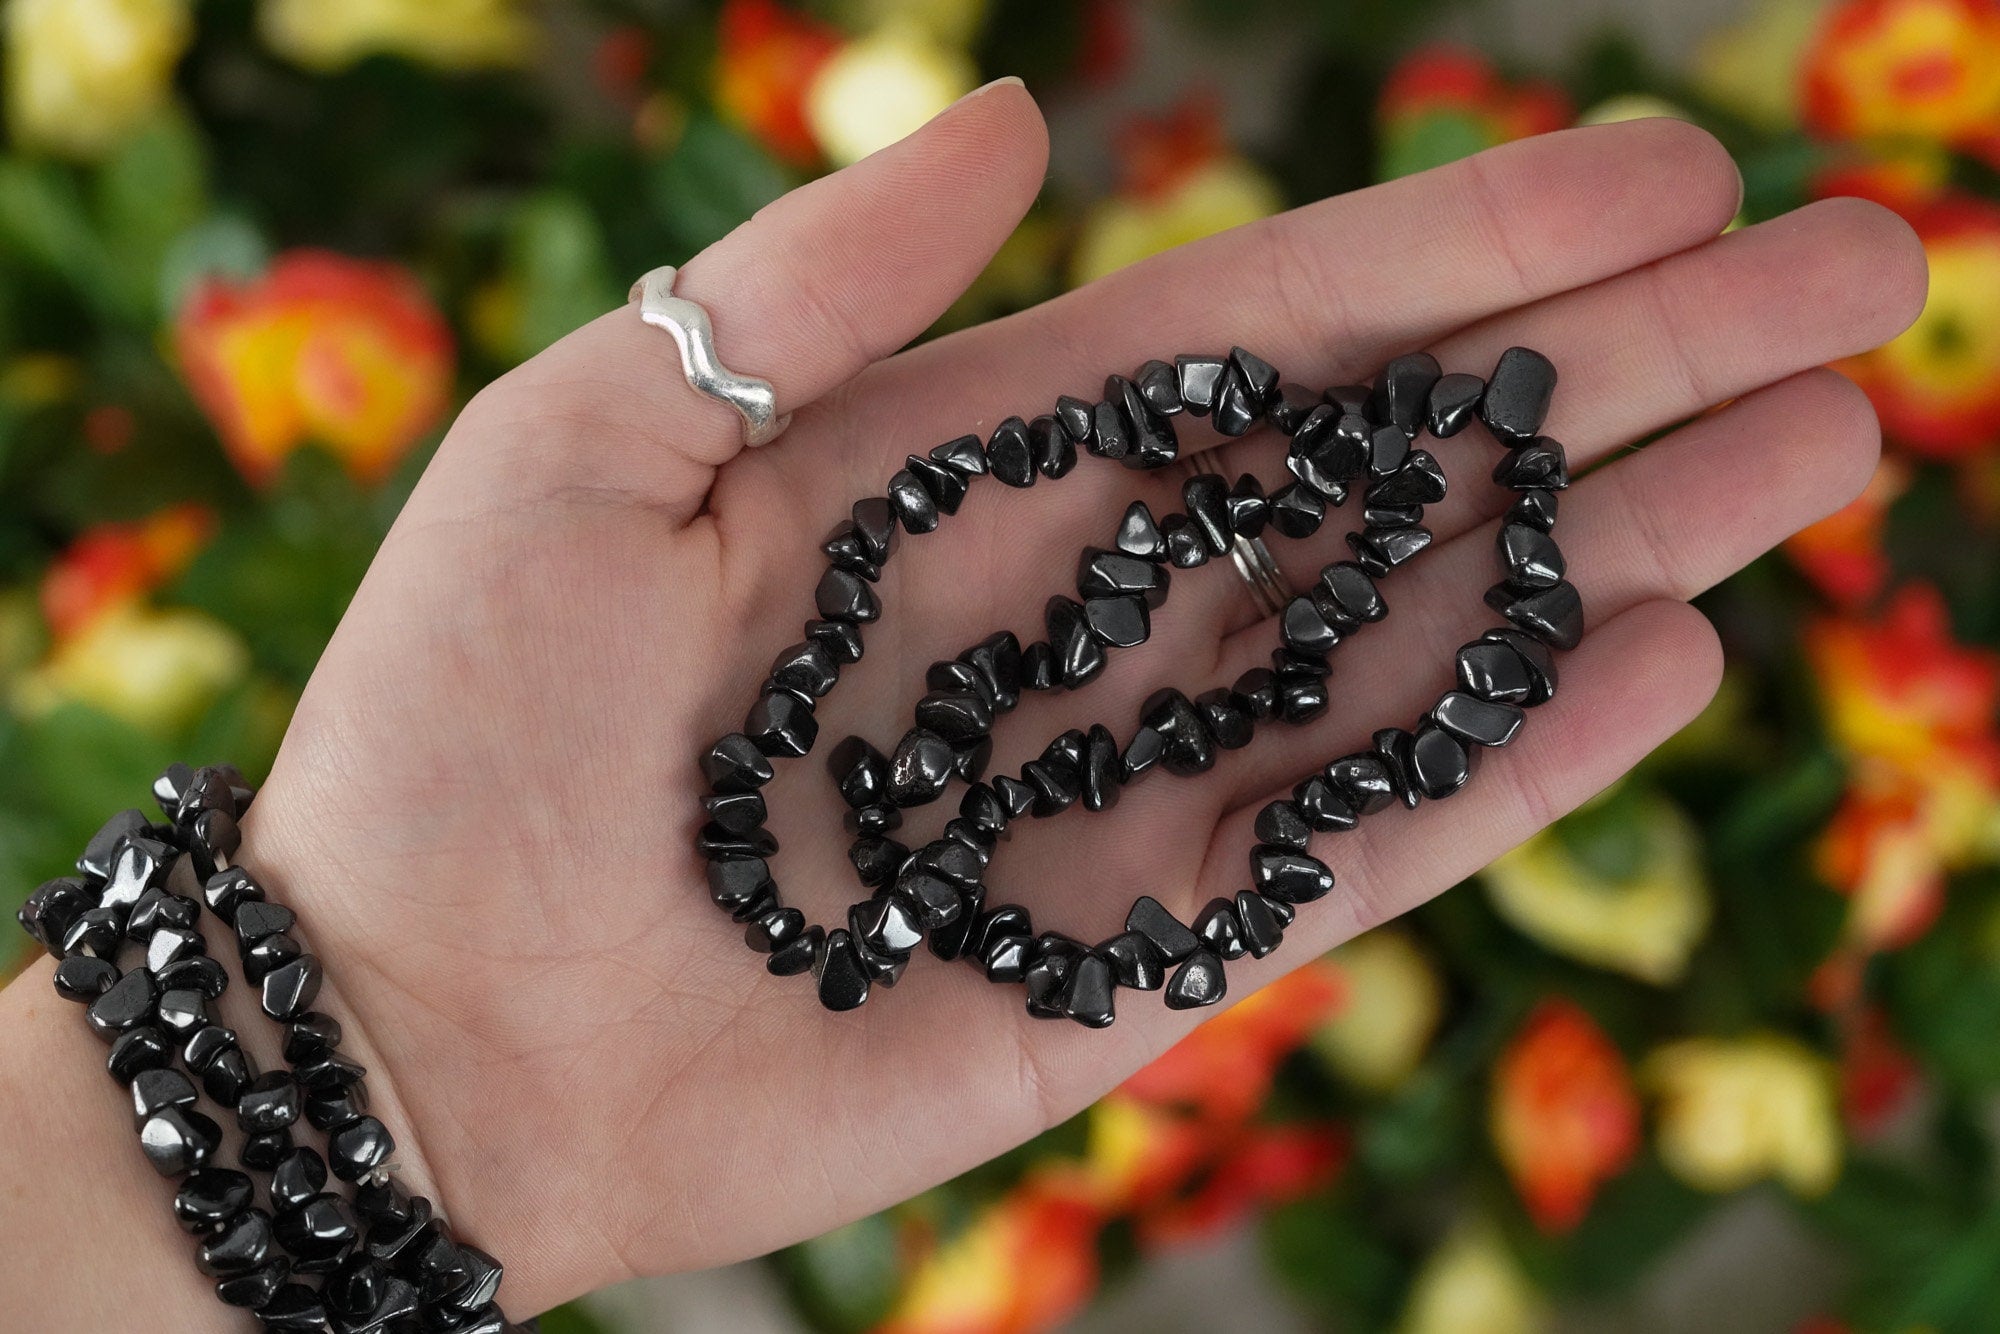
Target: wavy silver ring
[[687, 321], [1252, 559]]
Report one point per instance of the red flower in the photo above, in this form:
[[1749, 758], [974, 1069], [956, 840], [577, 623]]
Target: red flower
[[1907, 69], [1564, 1114], [766, 58], [346, 353], [1842, 554], [1445, 102], [111, 565]]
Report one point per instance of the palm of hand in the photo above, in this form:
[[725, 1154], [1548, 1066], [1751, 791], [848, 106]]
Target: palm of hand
[[486, 803]]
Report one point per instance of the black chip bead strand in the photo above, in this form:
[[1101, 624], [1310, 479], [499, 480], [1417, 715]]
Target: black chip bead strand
[[1350, 439]]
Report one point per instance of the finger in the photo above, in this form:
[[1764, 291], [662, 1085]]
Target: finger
[[1671, 521], [818, 285], [1654, 346]]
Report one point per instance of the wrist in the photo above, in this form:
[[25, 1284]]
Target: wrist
[[87, 1232]]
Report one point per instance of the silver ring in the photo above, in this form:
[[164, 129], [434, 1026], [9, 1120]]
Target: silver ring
[[753, 399], [1252, 559]]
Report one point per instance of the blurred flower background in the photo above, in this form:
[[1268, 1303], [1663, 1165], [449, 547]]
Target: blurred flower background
[[1737, 1020]]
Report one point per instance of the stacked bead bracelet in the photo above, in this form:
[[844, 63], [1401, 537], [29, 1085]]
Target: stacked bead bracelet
[[316, 1261], [1349, 438]]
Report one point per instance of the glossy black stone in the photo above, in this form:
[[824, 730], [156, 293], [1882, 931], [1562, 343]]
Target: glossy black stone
[[1101, 774], [1199, 981], [1054, 448], [1186, 550], [1553, 615], [845, 549], [178, 1140], [126, 1004], [956, 715], [1010, 454], [138, 1051], [919, 769], [1206, 498], [1189, 747], [1301, 701], [1537, 509], [1075, 416], [265, 1152], [1048, 969], [1290, 406], [1225, 718], [1388, 451], [773, 929], [805, 668], [255, 1287], [1391, 516], [997, 659], [1136, 962], [269, 953], [1380, 550], [1079, 655], [1347, 595], [1153, 443], [288, 991], [1256, 692], [211, 1197], [1531, 557], [1475, 720], [318, 1232], [1146, 749], [295, 1309], [1322, 806], [734, 764], [737, 812], [311, 1037], [156, 1090], [1304, 627], [1086, 994], [299, 1175], [1517, 396], [876, 859], [1198, 379], [199, 974], [159, 909], [181, 1012], [103, 846], [1280, 824], [1420, 481], [1322, 460], [213, 842], [1404, 390], [841, 639], [887, 923], [1249, 508], [1107, 574], [1454, 402], [1263, 931], [1150, 918], [1392, 747], [1439, 762], [239, 1245], [1139, 535], [1294, 877], [843, 982], [874, 520], [227, 1076], [1110, 432], [1363, 781], [1296, 511], [797, 955], [1004, 958], [740, 885], [272, 1102], [1057, 787], [1235, 409], [329, 1071], [946, 486], [915, 508], [358, 1148], [83, 978], [48, 912], [256, 920], [393, 1310], [1495, 672], [1539, 465], [841, 596], [1219, 930], [1159, 386], [99, 931]]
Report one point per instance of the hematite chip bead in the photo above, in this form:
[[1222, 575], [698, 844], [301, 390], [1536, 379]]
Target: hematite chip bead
[[295, 1309], [211, 1197], [945, 486], [1198, 379], [1152, 440], [771, 930], [48, 912], [1380, 550], [1118, 622], [177, 1140], [288, 990], [1227, 721], [843, 982], [1136, 962], [1101, 774], [181, 1012], [269, 953], [1206, 498], [920, 768], [330, 1108], [1296, 511], [99, 931], [1288, 875], [1537, 509], [272, 1102], [1439, 763], [1263, 930], [238, 1246], [138, 1051], [1324, 807], [1280, 824], [1075, 416], [318, 1232], [1160, 387], [734, 764], [158, 1089], [1185, 548], [1404, 390], [1079, 655], [310, 1037], [1531, 556], [1291, 405], [841, 596], [1139, 535], [1199, 981], [1517, 397], [84, 977], [796, 955], [914, 506], [1054, 448], [1364, 781], [1535, 655], [1388, 450], [886, 923], [1189, 749], [1475, 720], [254, 1287], [1419, 481], [805, 668], [98, 854], [1454, 402], [874, 520], [199, 974], [1086, 992], [875, 859], [1108, 574], [299, 1175], [1553, 615], [125, 1004], [781, 723], [1010, 454], [1219, 930], [740, 885], [841, 639], [736, 812], [358, 1148], [1539, 465]]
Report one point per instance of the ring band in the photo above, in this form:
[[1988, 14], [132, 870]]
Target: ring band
[[688, 322], [1253, 560]]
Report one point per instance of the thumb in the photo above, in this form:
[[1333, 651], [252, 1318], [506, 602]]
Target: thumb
[[819, 284]]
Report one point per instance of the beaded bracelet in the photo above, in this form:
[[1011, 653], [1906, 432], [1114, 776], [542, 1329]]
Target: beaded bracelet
[[388, 1262], [1351, 436]]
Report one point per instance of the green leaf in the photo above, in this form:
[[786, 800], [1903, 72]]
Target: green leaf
[[846, 1280], [225, 245], [714, 179], [154, 188], [556, 254], [573, 1319], [43, 220]]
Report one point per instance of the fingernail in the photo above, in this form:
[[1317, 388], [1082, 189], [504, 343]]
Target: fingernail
[[1014, 79]]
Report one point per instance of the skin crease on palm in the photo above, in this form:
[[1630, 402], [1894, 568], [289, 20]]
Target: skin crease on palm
[[484, 807]]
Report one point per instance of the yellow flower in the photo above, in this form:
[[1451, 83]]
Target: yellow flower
[[1379, 1033], [1748, 66], [155, 669], [947, 22], [1217, 195], [1644, 923], [1733, 1111], [1472, 1285], [81, 74], [453, 34], [873, 91]]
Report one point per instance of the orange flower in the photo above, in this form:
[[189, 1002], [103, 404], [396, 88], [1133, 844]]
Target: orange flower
[[1564, 1114], [1937, 384], [1445, 102], [766, 58], [344, 352], [1880, 850], [112, 565], [1842, 554], [1223, 1069], [1026, 1263], [1901, 694], [1258, 1166], [1907, 69]]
